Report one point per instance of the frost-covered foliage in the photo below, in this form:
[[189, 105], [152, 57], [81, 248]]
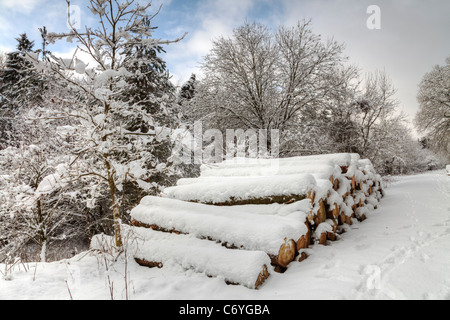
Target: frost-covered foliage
[[115, 130], [294, 81], [264, 80], [21, 88], [433, 117], [97, 141], [37, 207]]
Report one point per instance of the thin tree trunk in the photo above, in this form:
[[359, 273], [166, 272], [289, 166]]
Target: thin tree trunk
[[43, 250], [115, 207], [42, 231]]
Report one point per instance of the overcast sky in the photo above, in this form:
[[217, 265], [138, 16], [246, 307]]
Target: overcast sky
[[414, 34]]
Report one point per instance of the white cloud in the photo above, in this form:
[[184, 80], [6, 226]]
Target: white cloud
[[4, 50], [24, 6], [412, 38], [213, 18], [5, 26]]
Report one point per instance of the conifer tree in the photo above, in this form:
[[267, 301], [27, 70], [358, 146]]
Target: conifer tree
[[187, 91]]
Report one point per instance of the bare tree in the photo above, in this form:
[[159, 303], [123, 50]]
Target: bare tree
[[265, 80], [376, 104], [433, 117]]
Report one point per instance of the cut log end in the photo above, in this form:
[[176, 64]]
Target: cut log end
[[302, 256], [148, 264], [322, 213], [262, 277], [348, 220], [342, 218], [362, 217], [287, 253], [305, 240], [323, 238], [331, 236]]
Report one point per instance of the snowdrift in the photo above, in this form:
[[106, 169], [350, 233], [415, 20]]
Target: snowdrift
[[243, 218]]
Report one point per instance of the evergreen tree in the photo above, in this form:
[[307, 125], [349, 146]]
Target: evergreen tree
[[19, 80], [21, 88], [187, 91], [148, 85]]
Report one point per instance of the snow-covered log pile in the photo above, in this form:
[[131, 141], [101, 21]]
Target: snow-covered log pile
[[276, 235], [366, 187], [243, 208]]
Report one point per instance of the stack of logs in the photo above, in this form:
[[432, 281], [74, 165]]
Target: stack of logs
[[336, 200], [354, 194]]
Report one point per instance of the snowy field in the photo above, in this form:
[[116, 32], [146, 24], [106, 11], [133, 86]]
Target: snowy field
[[402, 251]]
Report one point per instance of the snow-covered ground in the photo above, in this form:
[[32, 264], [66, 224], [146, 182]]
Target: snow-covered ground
[[402, 251]]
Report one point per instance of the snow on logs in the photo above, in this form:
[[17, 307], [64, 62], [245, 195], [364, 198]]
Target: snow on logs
[[344, 184], [275, 235], [228, 191], [158, 249], [240, 210]]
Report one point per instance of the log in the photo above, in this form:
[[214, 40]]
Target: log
[[230, 191], [154, 227], [335, 211], [262, 276], [322, 212], [336, 185], [305, 240], [331, 236], [154, 249], [287, 253], [302, 256], [283, 199], [342, 218], [348, 220], [323, 238], [302, 243], [148, 264]]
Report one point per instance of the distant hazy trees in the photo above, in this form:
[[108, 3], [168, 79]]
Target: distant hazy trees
[[433, 117], [292, 80]]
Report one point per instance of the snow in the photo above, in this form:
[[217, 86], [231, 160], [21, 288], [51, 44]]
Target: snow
[[241, 229], [190, 253], [322, 228], [242, 188], [339, 159], [52, 182], [402, 251], [266, 167]]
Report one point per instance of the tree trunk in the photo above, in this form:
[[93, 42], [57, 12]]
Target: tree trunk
[[117, 233], [43, 250], [115, 207], [42, 231]]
